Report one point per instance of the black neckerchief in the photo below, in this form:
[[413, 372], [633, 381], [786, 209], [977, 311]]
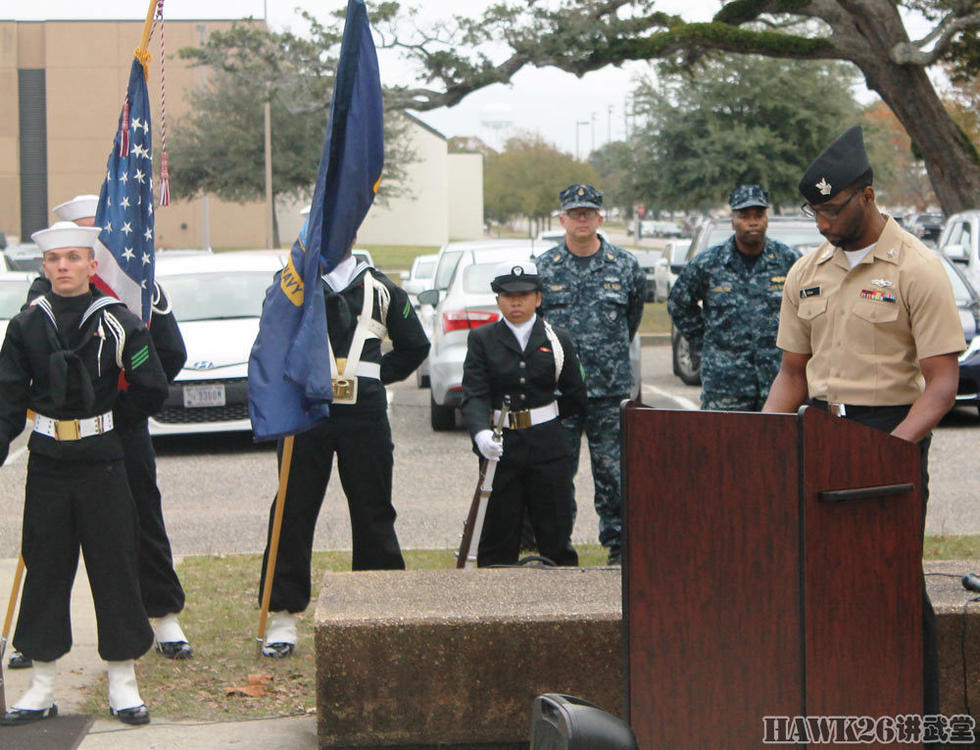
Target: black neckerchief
[[68, 312]]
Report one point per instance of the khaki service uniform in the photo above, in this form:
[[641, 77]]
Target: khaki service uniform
[[867, 327]]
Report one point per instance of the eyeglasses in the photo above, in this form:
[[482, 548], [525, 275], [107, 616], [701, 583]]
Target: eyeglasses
[[581, 213], [828, 213]]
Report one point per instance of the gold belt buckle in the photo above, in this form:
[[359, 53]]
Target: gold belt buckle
[[344, 390], [67, 429], [520, 420]]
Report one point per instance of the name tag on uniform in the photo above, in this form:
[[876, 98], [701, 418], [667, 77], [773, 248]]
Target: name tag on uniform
[[723, 288], [556, 287], [778, 279], [608, 285], [810, 291]]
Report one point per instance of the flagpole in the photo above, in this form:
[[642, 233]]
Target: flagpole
[[147, 27], [270, 563]]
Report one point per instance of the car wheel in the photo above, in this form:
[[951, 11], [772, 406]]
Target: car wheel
[[687, 365], [441, 418], [422, 381]]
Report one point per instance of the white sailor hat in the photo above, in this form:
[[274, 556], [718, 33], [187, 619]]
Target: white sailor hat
[[65, 234], [79, 207], [516, 276]]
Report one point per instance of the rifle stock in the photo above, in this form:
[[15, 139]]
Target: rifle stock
[[473, 526]]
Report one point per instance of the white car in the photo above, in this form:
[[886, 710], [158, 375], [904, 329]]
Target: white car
[[13, 295], [217, 299], [469, 303], [419, 278], [447, 258]]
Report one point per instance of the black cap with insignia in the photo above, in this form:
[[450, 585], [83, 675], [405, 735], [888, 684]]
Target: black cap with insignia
[[516, 276], [580, 196], [840, 164]]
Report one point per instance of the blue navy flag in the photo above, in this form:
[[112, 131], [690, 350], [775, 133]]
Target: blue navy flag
[[125, 212], [289, 386]]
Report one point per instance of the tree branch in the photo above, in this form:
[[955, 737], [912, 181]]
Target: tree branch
[[911, 53]]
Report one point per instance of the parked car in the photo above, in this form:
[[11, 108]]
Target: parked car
[[419, 277], [13, 295], [363, 256], [657, 273], [447, 258], [469, 303], [217, 300], [926, 226], [23, 256], [800, 234], [960, 242], [968, 302]]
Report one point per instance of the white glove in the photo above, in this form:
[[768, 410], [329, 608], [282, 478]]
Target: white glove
[[489, 448]]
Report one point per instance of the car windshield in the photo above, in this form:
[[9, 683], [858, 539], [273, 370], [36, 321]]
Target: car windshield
[[208, 296], [960, 290], [13, 294], [447, 265], [797, 236]]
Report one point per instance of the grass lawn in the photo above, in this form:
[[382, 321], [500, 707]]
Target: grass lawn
[[222, 619], [655, 318]]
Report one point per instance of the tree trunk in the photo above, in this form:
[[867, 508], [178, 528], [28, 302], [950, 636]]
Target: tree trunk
[[950, 159]]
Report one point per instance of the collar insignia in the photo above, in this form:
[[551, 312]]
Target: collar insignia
[[823, 186], [891, 253]]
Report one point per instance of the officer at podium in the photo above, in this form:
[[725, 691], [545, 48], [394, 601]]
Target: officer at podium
[[868, 325]]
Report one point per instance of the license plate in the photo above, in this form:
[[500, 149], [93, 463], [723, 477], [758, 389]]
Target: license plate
[[204, 395]]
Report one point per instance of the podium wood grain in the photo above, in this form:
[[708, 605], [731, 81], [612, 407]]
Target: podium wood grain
[[747, 595]]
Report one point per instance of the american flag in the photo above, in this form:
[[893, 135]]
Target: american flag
[[125, 212]]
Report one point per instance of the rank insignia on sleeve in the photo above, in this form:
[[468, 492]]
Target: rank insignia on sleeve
[[810, 291]]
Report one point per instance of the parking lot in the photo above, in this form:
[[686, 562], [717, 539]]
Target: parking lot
[[217, 489]]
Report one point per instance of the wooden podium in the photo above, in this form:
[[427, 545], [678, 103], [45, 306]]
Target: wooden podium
[[773, 568]]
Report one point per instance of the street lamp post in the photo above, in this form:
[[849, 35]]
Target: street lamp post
[[578, 124]]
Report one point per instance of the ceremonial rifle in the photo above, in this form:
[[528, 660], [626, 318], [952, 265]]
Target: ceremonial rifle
[[473, 526]]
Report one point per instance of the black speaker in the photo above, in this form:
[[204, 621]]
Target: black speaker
[[561, 722]]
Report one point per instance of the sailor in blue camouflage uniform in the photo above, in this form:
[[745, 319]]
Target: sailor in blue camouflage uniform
[[726, 303], [595, 291]]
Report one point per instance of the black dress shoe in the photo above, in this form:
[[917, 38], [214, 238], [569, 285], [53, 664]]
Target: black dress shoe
[[137, 715], [175, 649], [19, 661], [17, 716], [278, 650]]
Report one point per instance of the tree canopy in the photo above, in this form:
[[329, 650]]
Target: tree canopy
[[584, 35], [742, 119], [524, 179], [219, 147]]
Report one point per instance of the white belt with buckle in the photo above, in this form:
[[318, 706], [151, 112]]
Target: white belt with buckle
[[72, 429], [519, 420]]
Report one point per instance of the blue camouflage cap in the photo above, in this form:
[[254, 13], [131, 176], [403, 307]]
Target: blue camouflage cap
[[580, 196], [746, 196]]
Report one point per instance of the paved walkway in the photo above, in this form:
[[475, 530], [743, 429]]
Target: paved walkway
[[82, 667]]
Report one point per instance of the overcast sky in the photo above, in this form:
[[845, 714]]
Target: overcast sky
[[575, 114], [546, 101]]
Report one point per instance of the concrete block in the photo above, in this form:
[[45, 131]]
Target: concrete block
[[455, 658]]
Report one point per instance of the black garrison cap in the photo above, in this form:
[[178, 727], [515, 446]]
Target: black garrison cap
[[841, 163]]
